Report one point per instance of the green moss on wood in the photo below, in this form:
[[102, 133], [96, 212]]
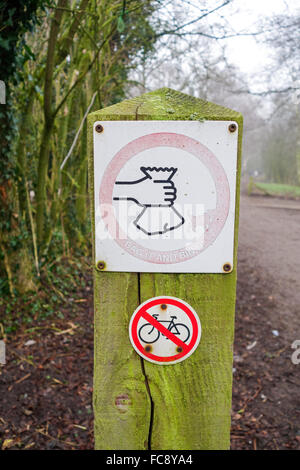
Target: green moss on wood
[[165, 104], [117, 369]]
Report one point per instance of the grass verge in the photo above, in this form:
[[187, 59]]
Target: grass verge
[[281, 190]]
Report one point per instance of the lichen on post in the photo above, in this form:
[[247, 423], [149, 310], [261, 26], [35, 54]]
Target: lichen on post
[[137, 404]]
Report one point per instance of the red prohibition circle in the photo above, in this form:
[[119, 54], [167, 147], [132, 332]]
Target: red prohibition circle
[[142, 310], [214, 219]]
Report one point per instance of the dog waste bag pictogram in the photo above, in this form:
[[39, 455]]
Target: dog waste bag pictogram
[[165, 330]]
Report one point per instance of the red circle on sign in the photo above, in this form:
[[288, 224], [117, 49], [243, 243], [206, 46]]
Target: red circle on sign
[[187, 349], [214, 219]]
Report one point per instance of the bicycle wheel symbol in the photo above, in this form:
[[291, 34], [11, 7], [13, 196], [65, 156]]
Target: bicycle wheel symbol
[[148, 334]]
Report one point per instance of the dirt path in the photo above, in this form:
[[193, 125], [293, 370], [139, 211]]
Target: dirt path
[[270, 239], [266, 405]]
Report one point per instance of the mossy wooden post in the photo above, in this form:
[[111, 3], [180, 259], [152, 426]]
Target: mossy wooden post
[[137, 404]]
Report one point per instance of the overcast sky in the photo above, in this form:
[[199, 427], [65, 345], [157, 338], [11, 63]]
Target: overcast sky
[[248, 54], [238, 19]]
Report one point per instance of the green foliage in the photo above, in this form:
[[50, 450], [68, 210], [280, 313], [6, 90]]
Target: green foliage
[[279, 160], [281, 146], [16, 18], [56, 54], [61, 280]]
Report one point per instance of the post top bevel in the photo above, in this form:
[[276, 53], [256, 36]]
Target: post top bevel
[[165, 104]]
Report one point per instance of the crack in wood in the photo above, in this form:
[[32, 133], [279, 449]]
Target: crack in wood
[[146, 381]]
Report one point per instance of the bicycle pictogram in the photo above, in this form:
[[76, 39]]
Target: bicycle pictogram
[[149, 334]]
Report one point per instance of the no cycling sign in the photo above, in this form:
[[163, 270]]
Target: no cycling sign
[[165, 195], [165, 330]]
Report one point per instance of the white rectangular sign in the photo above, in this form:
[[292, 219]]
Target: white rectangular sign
[[165, 195]]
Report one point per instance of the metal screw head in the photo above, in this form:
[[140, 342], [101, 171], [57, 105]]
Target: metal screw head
[[101, 265], [148, 348], [179, 349], [227, 268], [163, 306], [232, 127], [99, 128]]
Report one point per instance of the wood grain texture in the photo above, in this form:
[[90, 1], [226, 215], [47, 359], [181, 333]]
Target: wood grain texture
[[182, 406], [121, 400], [192, 399], [122, 407]]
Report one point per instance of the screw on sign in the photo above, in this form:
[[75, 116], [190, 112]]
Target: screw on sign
[[165, 330]]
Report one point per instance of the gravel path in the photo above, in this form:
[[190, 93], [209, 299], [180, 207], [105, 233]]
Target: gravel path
[[270, 238], [266, 404]]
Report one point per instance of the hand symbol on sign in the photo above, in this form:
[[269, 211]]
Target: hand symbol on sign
[[156, 193], [154, 189]]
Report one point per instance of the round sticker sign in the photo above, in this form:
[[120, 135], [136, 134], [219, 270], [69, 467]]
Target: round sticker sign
[[165, 330]]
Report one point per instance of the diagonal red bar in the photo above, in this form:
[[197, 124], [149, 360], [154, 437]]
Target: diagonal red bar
[[163, 330]]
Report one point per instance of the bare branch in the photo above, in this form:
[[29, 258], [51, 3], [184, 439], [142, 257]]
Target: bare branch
[[78, 132], [175, 30]]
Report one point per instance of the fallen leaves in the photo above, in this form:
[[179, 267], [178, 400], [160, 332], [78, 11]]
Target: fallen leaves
[[7, 444], [49, 403], [265, 383]]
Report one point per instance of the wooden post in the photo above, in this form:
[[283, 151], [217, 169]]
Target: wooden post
[[137, 404]]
